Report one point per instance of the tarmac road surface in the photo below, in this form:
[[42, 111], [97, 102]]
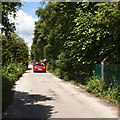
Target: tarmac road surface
[[43, 95]]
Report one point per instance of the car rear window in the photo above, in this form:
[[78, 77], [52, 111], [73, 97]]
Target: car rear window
[[39, 64]]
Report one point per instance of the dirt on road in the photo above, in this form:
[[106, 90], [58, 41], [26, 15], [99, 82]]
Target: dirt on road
[[43, 95]]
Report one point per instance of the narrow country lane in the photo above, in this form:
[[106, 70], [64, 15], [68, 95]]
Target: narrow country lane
[[43, 95]]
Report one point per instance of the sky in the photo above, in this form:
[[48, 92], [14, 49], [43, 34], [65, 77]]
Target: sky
[[25, 21]]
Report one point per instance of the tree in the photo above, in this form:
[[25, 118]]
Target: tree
[[9, 8], [50, 28], [83, 32], [14, 49]]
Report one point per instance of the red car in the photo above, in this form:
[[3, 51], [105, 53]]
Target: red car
[[39, 66]]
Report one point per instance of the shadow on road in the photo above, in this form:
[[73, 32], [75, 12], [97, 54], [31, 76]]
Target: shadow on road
[[29, 106], [39, 72], [29, 68]]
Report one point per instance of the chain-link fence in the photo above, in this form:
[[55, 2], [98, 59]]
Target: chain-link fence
[[110, 72]]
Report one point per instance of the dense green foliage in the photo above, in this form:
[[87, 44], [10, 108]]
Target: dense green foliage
[[75, 36], [81, 34], [14, 48], [14, 52], [14, 59], [10, 73]]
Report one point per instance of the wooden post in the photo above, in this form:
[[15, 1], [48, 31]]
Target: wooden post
[[102, 68], [102, 71]]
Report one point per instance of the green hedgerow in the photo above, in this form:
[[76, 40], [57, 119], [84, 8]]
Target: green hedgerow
[[10, 73]]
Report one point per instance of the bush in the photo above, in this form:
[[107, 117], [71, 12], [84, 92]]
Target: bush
[[57, 72], [94, 85], [10, 73], [51, 65], [6, 91], [110, 92]]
